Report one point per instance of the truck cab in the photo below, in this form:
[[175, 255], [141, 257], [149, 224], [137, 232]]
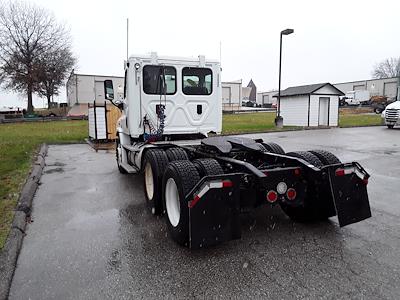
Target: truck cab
[[391, 114], [166, 97]]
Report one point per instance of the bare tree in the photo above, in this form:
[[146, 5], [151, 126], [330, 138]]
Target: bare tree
[[389, 67], [53, 69], [27, 33]]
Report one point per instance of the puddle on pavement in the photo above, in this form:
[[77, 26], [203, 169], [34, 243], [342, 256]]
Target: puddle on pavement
[[55, 170], [56, 164]]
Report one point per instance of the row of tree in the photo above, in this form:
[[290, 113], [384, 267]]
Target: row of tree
[[35, 51]]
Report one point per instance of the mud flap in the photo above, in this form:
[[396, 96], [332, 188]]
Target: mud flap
[[349, 192], [214, 207]]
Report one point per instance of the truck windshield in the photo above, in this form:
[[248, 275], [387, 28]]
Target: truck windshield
[[153, 77], [197, 81]]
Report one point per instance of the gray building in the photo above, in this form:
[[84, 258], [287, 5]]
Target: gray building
[[376, 87]]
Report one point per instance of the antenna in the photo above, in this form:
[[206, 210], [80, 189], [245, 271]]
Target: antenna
[[127, 39], [220, 53]]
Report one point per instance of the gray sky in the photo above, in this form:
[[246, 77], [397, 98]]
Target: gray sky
[[334, 41]]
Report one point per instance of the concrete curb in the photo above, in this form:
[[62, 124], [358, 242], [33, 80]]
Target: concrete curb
[[12, 247]]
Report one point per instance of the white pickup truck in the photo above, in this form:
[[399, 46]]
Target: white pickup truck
[[392, 114]]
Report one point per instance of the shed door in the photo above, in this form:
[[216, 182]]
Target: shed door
[[323, 111], [390, 89], [99, 90], [226, 94], [265, 99]]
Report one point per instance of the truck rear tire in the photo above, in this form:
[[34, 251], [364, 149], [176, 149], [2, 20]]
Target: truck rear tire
[[274, 148], [176, 153], [179, 178], [154, 164], [326, 157], [311, 210], [390, 126], [307, 156], [207, 166]]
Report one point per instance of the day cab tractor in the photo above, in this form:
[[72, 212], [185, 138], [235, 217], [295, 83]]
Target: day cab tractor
[[170, 131]]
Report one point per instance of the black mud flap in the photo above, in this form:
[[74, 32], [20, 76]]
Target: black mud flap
[[349, 192], [214, 207]]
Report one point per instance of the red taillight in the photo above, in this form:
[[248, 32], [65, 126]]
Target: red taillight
[[272, 196], [365, 181], [291, 194], [227, 183], [297, 172], [340, 172]]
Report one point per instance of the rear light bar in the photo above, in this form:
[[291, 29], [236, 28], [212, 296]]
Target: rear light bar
[[344, 171], [347, 171]]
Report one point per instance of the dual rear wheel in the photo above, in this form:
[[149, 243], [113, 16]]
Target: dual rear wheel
[[317, 206], [168, 177]]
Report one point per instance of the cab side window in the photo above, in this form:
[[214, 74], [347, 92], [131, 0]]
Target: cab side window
[[197, 81]]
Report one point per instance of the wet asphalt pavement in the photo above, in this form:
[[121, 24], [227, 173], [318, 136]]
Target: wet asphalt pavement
[[92, 238]]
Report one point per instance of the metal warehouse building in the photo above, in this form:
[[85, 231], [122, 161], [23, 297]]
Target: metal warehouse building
[[310, 105], [83, 89], [376, 87]]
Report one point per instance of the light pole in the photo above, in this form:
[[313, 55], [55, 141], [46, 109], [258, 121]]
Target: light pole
[[279, 119]]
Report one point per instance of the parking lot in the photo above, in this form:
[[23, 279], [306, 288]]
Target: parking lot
[[92, 237]]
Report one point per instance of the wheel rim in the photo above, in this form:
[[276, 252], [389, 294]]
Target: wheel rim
[[149, 181], [172, 202]]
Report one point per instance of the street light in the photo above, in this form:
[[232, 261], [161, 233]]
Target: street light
[[279, 119]]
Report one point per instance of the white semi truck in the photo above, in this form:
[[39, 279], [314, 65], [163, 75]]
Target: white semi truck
[[202, 183], [391, 114]]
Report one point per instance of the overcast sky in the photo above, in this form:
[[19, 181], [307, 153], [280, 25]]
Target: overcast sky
[[333, 41]]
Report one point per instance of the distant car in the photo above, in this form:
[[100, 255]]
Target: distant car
[[251, 104]]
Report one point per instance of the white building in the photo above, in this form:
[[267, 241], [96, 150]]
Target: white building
[[83, 88], [232, 94], [266, 99], [310, 105], [376, 87]]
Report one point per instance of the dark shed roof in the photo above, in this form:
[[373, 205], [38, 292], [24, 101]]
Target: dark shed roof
[[307, 90]]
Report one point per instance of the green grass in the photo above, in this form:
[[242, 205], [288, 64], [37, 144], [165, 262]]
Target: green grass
[[18, 144], [350, 120], [259, 122], [250, 122]]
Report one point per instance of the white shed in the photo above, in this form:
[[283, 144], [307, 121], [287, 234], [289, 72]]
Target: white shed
[[310, 105]]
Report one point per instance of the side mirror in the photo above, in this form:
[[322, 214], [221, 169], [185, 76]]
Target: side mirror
[[108, 90]]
